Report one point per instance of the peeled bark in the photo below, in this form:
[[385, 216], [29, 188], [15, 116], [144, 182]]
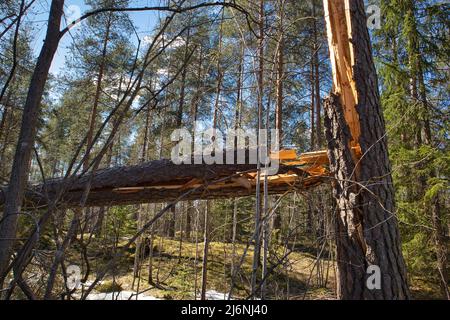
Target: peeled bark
[[366, 227]]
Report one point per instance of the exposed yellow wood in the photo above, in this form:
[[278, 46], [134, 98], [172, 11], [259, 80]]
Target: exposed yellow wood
[[312, 163], [289, 154], [337, 16]]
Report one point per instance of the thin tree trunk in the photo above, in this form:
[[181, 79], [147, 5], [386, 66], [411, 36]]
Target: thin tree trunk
[[171, 222], [60, 253], [313, 105], [233, 236], [257, 245], [150, 253], [139, 247], [318, 121], [280, 78], [183, 83], [440, 245], [205, 253], [196, 227]]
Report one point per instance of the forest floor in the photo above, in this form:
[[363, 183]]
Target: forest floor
[[178, 272]]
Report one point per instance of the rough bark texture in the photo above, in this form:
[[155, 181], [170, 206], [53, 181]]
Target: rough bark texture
[[367, 231], [144, 177], [21, 166]]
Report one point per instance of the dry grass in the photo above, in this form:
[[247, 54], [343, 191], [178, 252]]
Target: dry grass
[[178, 274]]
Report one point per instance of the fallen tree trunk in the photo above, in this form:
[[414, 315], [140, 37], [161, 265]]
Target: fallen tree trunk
[[162, 181]]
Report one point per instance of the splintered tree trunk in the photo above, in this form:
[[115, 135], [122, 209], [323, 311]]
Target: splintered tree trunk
[[367, 232]]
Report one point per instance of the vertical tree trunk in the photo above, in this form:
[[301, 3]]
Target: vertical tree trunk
[[150, 252], [183, 82], [233, 236], [366, 228], [171, 222], [318, 121], [205, 253], [313, 105], [257, 245], [189, 215], [139, 246], [280, 78], [440, 246], [219, 78], [27, 135], [238, 107]]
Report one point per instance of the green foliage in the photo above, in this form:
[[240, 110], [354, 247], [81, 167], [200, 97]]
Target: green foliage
[[415, 99]]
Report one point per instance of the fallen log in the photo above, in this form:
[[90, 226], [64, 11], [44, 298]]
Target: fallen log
[[164, 181]]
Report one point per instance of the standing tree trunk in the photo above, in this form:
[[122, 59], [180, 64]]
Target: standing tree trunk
[[367, 231], [440, 245], [189, 215], [257, 247], [313, 104], [171, 222], [27, 135], [205, 253], [280, 78], [318, 121]]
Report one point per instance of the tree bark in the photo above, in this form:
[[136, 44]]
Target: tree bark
[[21, 165], [280, 79], [313, 106], [155, 181], [317, 100], [257, 245], [440, 246], [366, 227], [205, 253]]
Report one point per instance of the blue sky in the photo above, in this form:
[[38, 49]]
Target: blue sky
[[143, 21]]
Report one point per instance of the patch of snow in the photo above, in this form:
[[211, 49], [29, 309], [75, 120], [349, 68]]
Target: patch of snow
[[122, 295], [215, 295]]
